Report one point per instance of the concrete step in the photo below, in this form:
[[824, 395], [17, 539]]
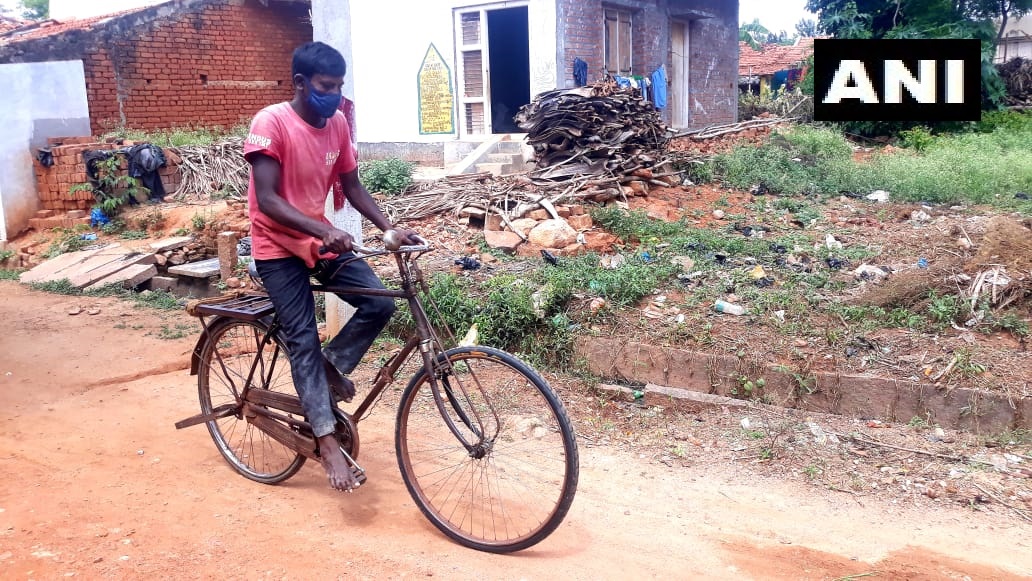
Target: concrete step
[[498, 169], [508, 147], [513, 158]]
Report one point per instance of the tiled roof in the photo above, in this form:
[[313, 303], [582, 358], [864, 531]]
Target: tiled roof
[[8, 23], [47, 28], [772, 57]]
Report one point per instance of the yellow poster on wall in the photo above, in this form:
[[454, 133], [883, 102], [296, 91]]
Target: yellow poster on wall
[[436, 97]]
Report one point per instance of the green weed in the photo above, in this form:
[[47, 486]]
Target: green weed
[[391, 176], [58, 287]]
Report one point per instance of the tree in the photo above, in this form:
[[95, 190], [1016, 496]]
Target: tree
[[980, 19], [35, 9], [754, 34], [806, 27]]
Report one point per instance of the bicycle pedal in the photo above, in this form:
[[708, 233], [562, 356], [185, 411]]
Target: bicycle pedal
[[356, 471]]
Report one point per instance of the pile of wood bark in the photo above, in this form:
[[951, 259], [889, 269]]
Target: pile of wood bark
[[1017, 76], [600, 130]]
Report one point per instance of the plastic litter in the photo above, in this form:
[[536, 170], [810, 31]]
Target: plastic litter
[[729, 308], [90, 236], [468, 263], [880, 196], [98, 218], [922, 262]]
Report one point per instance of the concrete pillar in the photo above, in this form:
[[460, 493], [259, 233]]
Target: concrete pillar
[[331, 23], [228, 259]]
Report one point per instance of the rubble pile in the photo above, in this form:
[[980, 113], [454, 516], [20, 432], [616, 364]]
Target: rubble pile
[[601, 130]]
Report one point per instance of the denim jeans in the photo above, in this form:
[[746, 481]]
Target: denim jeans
[[287, 282]]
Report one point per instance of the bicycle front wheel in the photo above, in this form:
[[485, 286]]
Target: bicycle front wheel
[[233, 349], [513, 486]]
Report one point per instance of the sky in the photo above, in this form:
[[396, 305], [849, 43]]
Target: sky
[[775, 15]]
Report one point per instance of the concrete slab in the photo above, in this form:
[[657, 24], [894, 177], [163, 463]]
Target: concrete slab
[[53, 268], [201, 269], [864, 396], [171, 243], [104, 264], [130, 276]]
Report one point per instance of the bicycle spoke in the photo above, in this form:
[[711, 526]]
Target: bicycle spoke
[[508, 491]]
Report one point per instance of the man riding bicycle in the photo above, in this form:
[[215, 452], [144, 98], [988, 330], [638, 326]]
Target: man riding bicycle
[[297, 150]]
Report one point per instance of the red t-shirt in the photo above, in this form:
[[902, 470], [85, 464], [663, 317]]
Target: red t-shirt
[[311, 159]]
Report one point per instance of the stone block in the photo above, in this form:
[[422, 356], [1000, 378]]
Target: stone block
[[104, 264], [56, 268], [73, 214], [539, 215], [494, 222], [524, 225], [553, 234], [504, 241], [227, 250], [580, 222], [130, 277], [201, 269]]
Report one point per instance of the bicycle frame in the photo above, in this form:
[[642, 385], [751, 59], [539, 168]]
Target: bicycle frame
[[424, 339]]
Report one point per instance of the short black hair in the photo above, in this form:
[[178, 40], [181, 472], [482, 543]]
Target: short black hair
[[318, 58]]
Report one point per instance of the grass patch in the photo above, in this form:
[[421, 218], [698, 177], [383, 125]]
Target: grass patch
[[160, 300], [10, 273], [68, 240], [180, 137], [57, 287], [985, 167]]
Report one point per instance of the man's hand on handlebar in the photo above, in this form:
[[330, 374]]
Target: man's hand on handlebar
[[408, 236], [337, 241]]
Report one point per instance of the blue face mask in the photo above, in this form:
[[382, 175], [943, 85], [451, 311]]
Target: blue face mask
[[325, 104]]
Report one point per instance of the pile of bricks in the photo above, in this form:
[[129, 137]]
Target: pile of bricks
[[54, 183], [64, 208]]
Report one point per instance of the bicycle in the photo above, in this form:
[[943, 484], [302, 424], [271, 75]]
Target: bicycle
[[485, 447]]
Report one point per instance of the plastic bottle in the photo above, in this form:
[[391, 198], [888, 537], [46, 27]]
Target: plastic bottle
[[729, 308]]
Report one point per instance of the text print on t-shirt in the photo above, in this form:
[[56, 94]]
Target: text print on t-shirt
[[259, 140], [331, 157]]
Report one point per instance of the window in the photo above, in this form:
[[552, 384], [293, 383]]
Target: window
[[618, 42]]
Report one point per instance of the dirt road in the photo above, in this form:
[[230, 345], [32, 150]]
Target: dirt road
[[96, 483]]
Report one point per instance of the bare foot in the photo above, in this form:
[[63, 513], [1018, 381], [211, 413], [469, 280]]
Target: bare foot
[[341, 387], [337, 468]]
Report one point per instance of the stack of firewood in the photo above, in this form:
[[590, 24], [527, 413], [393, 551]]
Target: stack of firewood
[[1017, 76], [600, 130]]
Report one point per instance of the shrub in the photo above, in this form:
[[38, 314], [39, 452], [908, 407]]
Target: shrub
[[390, 176]]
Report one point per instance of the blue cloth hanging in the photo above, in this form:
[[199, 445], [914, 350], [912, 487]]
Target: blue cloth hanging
[[580, 72], [659, 87]]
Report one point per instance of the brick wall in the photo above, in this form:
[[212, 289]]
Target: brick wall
[[713, 41], [209, 63]]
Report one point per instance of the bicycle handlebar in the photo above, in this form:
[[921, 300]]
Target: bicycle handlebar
[[391, 243]]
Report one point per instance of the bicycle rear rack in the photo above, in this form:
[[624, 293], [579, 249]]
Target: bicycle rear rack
[[247, 307]]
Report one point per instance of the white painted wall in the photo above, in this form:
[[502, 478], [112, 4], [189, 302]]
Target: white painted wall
[[1017, 40], [389, 39], [73, 9], [39, 100]]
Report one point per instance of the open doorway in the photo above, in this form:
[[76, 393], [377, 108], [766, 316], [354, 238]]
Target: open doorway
[[508, 34]]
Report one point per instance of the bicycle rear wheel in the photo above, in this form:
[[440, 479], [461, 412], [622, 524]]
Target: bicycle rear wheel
[[509, 492], [232, 348]]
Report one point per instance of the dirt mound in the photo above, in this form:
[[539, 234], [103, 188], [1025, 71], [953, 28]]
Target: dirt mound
[[1000, 270]]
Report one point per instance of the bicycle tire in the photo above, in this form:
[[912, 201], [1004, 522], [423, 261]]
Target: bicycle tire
[[251, 452], [503, 487]]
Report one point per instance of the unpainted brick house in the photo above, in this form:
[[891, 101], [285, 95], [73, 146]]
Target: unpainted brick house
[[500, 54], [181, 63]]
